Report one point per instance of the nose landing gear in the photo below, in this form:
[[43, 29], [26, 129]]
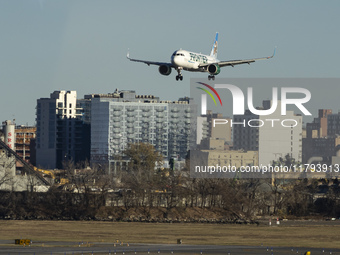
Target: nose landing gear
[[179, 76]]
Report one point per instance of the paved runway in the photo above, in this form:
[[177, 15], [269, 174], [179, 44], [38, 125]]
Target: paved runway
[[68, 248]]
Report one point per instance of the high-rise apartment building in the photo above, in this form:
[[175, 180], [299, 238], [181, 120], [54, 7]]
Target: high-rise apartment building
[[280, 135], [100, 126], [318, 128], [213, 131], [267, 135], [245, 137], [123, 117], [60, 130], [25, 143], [333, 124], [322, 136]]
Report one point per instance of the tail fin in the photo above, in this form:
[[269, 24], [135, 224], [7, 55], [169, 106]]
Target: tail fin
[[214, 47]]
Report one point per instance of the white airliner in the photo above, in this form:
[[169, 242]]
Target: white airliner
[[196, 62]]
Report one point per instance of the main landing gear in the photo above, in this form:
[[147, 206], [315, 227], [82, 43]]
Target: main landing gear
[[211, 77], [179, 76]]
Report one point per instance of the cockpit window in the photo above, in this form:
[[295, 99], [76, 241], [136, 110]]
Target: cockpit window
[[177, 54]]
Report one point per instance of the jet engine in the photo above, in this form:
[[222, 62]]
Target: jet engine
[[214, 69], [164, 69]]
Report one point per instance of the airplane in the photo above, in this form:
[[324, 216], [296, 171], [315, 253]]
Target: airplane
[[196, 62]]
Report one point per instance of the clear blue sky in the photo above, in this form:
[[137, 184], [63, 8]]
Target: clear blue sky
[[81, 45]]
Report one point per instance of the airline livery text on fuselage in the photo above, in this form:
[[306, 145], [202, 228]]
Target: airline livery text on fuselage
[[198, 58]]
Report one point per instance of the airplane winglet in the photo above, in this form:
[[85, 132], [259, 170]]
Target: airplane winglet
[[274, 51], [128, 54]]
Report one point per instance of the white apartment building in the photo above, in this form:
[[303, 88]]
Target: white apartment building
[[282, 139]]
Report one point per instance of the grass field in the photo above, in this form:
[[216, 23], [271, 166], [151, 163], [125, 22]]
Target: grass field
[[320, 236]]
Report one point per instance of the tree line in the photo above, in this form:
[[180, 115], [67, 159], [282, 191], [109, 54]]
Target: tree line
[[144, 186]]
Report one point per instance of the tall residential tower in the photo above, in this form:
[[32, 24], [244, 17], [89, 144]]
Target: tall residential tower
[[60, 130]]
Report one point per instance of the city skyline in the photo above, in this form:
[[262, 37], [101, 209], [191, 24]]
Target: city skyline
[[82, 45]]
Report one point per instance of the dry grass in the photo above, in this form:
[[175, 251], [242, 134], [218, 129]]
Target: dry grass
[[90, 231]]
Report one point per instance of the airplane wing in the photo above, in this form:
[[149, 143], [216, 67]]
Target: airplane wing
[[148, 62], [239, 62]]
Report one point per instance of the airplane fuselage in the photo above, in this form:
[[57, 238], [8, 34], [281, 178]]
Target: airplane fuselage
[[191, 61]]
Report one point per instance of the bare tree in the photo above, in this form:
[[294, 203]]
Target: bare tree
[[6, 176], [140, 176]]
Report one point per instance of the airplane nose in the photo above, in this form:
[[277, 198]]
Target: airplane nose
[[174, 60]]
